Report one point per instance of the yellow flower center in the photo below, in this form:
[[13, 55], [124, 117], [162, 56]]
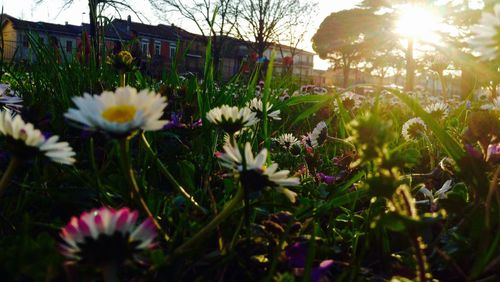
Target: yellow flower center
[[120, 114]]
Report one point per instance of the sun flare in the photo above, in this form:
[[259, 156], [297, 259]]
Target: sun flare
[[419, 23]]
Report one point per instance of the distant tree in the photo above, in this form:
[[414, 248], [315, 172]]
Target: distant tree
[[345, 37], [381, 63], [474, 73], [215, 19], [387, 6], [289, 40], [262, 22], [461, 16]]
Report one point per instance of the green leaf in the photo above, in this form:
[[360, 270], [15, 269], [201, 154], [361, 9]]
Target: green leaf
[[297, 100], [344, 199]]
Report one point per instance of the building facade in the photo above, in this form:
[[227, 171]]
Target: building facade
[[159, 48]]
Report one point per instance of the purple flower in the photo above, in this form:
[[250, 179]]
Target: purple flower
[[175, 121], [493, 151], [320, 271], [473, 152], [328, 179], [297, 255], [198, 123]]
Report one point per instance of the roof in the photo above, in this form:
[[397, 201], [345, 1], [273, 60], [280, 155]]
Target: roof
[[120, 29], [285, 47], [71, 30]]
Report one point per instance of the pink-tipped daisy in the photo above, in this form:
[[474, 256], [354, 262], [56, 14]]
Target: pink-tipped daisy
[[106, 235]]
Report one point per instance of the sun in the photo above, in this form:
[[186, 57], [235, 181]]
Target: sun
[[418, 23]]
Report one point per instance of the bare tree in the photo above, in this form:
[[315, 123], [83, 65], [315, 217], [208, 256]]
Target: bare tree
[[96, 7], [215, 19], [264, 21], [290, 39]]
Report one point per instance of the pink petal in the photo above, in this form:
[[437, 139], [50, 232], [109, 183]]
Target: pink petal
[[123, 215], [84, 228], [99, 222]]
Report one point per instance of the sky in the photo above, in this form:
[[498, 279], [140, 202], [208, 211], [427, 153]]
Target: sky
[[52, 11]]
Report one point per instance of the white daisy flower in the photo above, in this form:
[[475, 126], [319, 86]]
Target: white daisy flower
[[413, 129], [438, 110], [438, 195], [350, 101], [486, 39], [256, 105], [255, 174], [320, 90], [317, 137], [439, 62], [494, 105], [287, 141], [232, 119], [106, 235], [120, 113], [9, 99], [24, 141], [320, 131], [309, 140]]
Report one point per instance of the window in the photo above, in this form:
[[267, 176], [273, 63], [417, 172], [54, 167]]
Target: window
[[145, 48], [157, 48], [172, 51], [69, 46]]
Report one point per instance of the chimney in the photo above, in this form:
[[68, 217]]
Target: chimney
[[66, 23]]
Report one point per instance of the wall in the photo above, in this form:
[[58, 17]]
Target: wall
[[10, 40]]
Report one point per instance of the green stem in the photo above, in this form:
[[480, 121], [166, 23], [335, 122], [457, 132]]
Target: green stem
[[7, 175], [164, 170], [339, 140], [94, 165], [311, 253], [246, 201], [205, 231], [132, 183], [123, 79], [416, 242]]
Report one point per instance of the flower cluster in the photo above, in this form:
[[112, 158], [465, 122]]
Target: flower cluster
[[310, 90]]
